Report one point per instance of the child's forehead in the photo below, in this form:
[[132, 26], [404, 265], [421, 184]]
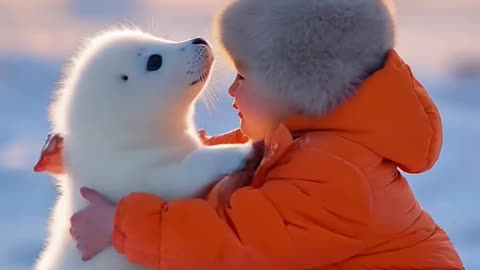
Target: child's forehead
[[239, 65]]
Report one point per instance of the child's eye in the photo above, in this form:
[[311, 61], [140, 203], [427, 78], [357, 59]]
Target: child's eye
[[239, 77]]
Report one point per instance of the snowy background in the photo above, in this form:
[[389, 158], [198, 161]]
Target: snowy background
[[438, 38]]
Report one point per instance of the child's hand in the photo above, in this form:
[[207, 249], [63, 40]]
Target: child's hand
[[230, 184], [202, 133], [92, 227]]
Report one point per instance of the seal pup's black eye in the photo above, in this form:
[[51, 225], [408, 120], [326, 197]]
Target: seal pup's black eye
[[124, 78], [154, 62]]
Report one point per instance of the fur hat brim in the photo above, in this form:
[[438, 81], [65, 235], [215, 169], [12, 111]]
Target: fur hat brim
[[313, 53]]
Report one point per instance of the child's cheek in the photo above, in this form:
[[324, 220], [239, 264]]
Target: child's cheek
[[240, 99], [248, 106]]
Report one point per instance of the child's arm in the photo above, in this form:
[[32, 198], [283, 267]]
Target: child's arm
[[308, 214], [51, 156], [232, 137]]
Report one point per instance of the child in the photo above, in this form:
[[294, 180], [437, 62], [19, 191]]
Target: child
[[339, 113]]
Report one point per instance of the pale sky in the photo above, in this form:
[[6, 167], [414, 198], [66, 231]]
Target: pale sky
[[430, 33]]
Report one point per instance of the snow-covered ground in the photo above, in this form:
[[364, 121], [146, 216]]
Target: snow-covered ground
[[31, 62]]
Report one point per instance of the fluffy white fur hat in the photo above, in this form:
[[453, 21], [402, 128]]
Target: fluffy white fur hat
[[313, 53]]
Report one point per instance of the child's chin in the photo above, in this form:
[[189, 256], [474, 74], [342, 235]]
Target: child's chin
[[252, 132]]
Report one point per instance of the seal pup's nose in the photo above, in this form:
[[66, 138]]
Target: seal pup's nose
[[199, 41]]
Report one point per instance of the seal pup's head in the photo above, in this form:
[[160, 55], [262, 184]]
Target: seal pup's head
[[128, 81]]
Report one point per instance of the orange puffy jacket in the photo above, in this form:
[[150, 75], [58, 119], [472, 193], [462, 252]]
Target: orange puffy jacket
[[327, 195]]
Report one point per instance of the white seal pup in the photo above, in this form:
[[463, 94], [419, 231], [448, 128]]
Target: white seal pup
[[125, 111]]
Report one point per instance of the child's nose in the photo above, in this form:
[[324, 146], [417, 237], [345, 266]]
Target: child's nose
[[232, 89]]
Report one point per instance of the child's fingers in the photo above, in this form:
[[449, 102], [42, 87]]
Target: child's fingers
[[202, 133], [229, 185], [75, 220], [92, 196], [74, 233], [86, 257], [83, 247], [88, 253]]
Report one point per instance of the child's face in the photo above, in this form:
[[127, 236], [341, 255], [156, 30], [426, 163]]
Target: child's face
[[258, 114]]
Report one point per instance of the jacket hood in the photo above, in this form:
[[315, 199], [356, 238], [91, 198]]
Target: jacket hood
[[391, 114]]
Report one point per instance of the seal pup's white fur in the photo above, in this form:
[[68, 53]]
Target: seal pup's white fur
[[125, 111]]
